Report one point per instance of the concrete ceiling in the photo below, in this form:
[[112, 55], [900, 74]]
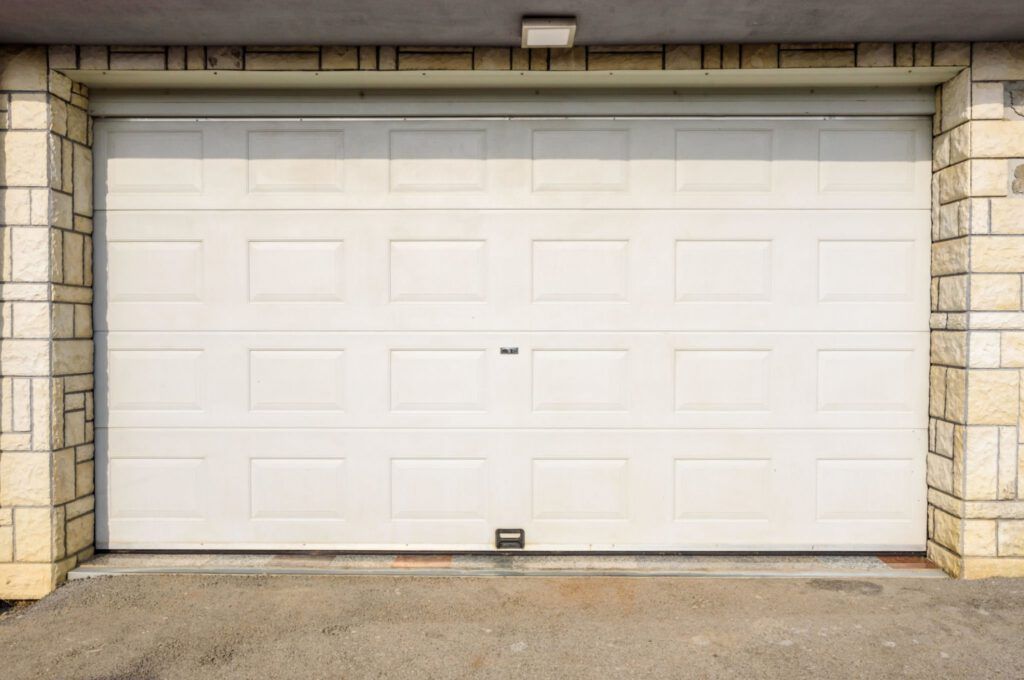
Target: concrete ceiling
[[496, 22]]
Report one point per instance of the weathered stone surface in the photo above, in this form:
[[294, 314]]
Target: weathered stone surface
[[23, 69], [952, 54], [34, 534], [80, 532], [500, 58], [940, 473], [996, 292], [143, 61], [282, 61], [25, 478], [997, 254], [981, 463], [624, 61], [435, 61], [574, 59], [26, 581], [953, 293], [947, 530], [949, 257], [25, 357], [1007, 216], [1011, 538], [875, 54], [949, 348], [956, 101], [72, 356], [954, 182], [683, 57], [997, 138], [992, 397], [25, 154], [979, 537], [998, 61], [1012, 349], [224, 58], [987, 101], [816, 58]]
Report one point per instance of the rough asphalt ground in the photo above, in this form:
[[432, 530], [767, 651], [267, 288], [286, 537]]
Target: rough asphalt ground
[[209, 627]]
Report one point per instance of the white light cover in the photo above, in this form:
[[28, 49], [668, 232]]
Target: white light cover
[[548, 31]]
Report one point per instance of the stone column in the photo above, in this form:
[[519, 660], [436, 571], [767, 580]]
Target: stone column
[[975, 467], [46, 349]]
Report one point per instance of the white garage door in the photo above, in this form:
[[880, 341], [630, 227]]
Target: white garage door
[[618, 333]]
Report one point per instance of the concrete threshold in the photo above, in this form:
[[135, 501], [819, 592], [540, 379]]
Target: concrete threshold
[[503, 564]]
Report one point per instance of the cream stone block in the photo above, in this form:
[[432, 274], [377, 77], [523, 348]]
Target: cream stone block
[[1011, 538], [15, 206], [24, 478], [85, 478], [63, 320], [952, 54], [435, 61], [953, 293], [80, 532], [956, 393], [987, 101], [940, 151], [224, 58], [759, 56], [339, 58], [31, 320], [34, 534], [989, 177], [875, 54], [82, 176], [984, 350], [956, 100], [282, 61], [997, 138], [954, 182], [573, 59], [685, 57], [993, 397], [944, 438], [937, 391], [996, 292], [25, 357], [23, 69], [142, 61], [1012, 349], [26, 581], [979, 537], [72, 356], [618, 61], [940, 473], [998, 61], [26, 158], [981, 463], [29, 111], [960, 143], [1007, 216], [175, 58], [997, 254], [1007, 462], [946, 530], [950, 257], [949, 348], [78, 125], [6, 544], [816, 58], [63, 476]]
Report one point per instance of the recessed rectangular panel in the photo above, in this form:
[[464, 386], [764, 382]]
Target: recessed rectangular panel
[[438, 160], [439, 489], [727, 271], [576, 489], [580, 380], [155, 488], [866, 489], [438, 380], [296, 160], [155, 379], [866, 160], [154, 271], [297, 380], [297, 488], [296, 271], [865, 380], [154, 162], [715, 489], [438, 271], [580, 271], [722, 380], [723, 160], [868, 271], [580, 160]]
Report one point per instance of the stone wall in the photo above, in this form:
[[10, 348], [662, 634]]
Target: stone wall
[[975, 460], [46, 402]]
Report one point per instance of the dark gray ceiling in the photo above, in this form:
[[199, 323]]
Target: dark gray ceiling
[[496, 22]]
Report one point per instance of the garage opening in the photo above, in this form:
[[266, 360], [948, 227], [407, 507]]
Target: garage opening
[[615, 332]]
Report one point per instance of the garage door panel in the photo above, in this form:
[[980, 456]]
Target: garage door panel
[[604, 489], [488, 271], [637, 380], [618, 333], [445, 164]]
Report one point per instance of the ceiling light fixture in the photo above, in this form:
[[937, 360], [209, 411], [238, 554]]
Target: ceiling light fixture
[[556, 32]]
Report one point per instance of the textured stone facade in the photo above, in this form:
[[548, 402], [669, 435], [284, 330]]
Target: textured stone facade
[[46, 351], [976, 457], [976, 485]]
